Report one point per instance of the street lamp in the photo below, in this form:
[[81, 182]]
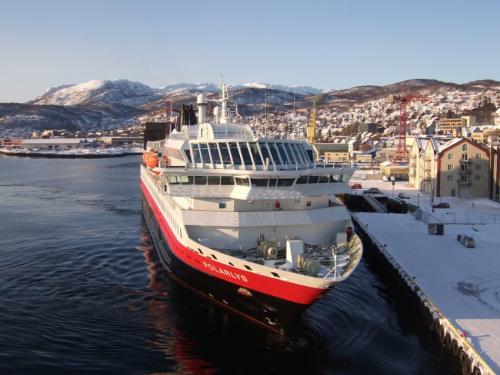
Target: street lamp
[[393, 182]]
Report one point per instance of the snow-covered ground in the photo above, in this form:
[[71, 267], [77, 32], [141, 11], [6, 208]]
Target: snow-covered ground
[[461, 211], [463, 283]]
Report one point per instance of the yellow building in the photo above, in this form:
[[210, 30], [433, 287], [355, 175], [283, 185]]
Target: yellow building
[[448, 124], [478, 136], [390, 169], [332, 152], [458, 168]]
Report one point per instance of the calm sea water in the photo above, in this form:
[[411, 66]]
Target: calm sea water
[[80, 291]]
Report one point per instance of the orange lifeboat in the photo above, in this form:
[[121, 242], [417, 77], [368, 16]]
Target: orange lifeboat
[[150, 159]]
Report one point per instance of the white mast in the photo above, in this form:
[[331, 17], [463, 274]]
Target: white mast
[[225, 117]]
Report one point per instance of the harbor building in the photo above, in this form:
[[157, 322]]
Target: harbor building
[[56, 143], [122, 140], [458, 168], [332, 152]]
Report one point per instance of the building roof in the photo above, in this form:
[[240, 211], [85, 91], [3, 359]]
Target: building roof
[[421, 143], [331, 147], [55, 141], [455, 142]]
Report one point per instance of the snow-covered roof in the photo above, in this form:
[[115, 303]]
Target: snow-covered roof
[[53, 141], [421, 143], [448, 144]]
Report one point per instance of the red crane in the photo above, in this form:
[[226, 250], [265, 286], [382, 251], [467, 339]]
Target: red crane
[[401, 154]]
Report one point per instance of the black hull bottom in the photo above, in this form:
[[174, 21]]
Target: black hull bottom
[[268, 311]]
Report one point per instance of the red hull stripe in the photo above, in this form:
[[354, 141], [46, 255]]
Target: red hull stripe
[[271, 286]]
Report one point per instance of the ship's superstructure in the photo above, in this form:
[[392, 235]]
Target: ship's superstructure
[[255, 225]]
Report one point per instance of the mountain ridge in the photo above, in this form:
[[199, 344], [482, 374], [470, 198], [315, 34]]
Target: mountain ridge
[[109, 103]]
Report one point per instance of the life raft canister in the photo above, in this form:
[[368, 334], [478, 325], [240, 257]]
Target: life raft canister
[[150, 158]]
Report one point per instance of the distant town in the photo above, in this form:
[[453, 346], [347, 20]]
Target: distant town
[[452, 137]]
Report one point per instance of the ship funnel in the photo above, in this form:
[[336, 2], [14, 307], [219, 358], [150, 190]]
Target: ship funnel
[[202, 101], [217, 114]]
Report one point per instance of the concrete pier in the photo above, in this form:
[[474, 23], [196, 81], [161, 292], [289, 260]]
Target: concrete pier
[[458, 287]]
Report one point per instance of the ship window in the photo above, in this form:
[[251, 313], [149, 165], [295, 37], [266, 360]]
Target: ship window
[[309, 154], [272, 182], [226, 159], [261, 182], [286, 181], [274, 153], [275, 274], [230, 263], [215, 153], [248, 267], [302, 180], [188, 155], [308, 204], [233, 147], [197, 153], [227, 180], [291, 152], [199, 250], [200, 180], [243, 181], [345, 178], [204, 153], [186, 180], [283, 154], [246, 154], [297, 151], [313, 179], [265, 152], [172, 180], [323, 179], [222, 205], [254, 149], [335, 178], [213, 180], [213, 256]]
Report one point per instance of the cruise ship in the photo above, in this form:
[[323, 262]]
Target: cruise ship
[[253, 224]]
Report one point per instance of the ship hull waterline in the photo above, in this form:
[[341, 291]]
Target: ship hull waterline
[[268, 311]]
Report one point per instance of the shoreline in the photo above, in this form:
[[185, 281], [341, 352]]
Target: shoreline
[[66, 156]]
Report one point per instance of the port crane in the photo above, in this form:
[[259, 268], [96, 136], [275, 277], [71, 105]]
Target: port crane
[[401, 154]]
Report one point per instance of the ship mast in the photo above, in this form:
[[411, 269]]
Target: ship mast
[[225, 116]]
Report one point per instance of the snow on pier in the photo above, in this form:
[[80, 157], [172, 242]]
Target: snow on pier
[[464, 283]]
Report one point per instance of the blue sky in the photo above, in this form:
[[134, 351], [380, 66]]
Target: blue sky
[[326, 44]]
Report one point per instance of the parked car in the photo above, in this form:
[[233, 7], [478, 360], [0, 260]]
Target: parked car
[[356, 186], [373, 191], [441, 205], [403, 196]]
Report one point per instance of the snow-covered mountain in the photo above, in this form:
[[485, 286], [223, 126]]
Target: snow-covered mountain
[[108, 103], [198, 87], [119, 91], [302, 90], [213, 88]]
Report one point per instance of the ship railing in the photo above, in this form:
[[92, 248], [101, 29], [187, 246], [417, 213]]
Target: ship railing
[[342, 265], [155, 145]]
